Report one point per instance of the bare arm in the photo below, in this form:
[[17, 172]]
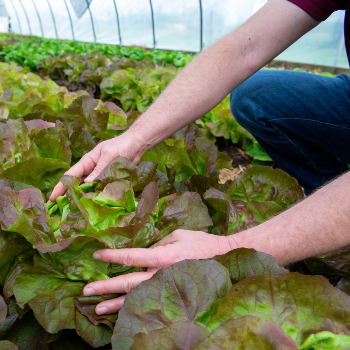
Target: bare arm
[[203, 84], [221, 68], [319, 224]]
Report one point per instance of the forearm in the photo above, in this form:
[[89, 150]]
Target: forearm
[[221, 68], [317, 225]]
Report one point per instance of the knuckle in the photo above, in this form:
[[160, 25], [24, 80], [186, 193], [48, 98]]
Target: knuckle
[[128, 285], [128, 259], [98, 168]]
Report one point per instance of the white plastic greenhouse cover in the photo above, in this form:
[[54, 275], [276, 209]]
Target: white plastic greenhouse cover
[[188, 25]]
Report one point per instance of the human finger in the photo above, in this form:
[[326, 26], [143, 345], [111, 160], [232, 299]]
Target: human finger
[[137, 257], [119, 284], [110, 306], [105, 158], [83, 167]]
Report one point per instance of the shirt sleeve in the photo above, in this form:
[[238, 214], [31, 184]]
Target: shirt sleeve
[[320, 10]]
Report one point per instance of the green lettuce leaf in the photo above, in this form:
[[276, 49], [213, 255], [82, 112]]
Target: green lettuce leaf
[[43, 277], [326, 341], [42, 173], [55, 309]]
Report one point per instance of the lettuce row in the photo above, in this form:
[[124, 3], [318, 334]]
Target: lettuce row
[[47, 247]]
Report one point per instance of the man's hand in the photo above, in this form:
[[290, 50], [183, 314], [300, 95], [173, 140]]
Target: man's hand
[[179, 245], [92, 163]]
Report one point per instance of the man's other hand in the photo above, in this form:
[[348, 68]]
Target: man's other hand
[[179, 245]]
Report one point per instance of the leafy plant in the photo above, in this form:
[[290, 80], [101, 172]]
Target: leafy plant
[[46, 129], [47, 247], [265, 308], [30, 50], [241, 299]]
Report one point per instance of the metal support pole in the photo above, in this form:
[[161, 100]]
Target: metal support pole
[[201, 24], [92, 20], [25, 12], [70, 18], [53, 18], [118, 23], [153, 29], [339, 50], [37, 13], [19, 23]]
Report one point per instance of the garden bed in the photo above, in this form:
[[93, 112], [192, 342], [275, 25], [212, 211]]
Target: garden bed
[[202, 178]]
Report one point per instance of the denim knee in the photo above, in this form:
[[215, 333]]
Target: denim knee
[[243, 102]]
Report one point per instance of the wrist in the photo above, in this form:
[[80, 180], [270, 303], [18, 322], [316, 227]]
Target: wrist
[[238, 240], [136, 135], [225, 245], [134, 141]]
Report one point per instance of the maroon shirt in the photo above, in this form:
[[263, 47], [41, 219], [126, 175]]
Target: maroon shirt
[[320, 10]]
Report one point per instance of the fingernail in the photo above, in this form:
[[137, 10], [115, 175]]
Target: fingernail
[[102, 310], [97, 256], [89, 179], [89, 292], [49, 201]]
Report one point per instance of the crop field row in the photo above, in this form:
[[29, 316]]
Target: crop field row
[[58, 108]]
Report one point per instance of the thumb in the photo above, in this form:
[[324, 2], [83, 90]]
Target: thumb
[[101, 164]]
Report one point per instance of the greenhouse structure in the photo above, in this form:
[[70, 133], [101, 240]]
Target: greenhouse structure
[[189, 25], [174, 174]]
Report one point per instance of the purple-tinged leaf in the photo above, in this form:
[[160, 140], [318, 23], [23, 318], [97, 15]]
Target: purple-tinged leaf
[[183, 210], [248, 332], [227, 219], [86, 306], [197, 183], [182, 335], [51, 143], [81, 141], [242, 263], [299, 304], [25, 211], [168, 298], [124, 169], [96, 336], [264, 184]]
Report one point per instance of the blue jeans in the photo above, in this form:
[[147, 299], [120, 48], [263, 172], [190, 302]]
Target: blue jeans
[[302, 120]]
